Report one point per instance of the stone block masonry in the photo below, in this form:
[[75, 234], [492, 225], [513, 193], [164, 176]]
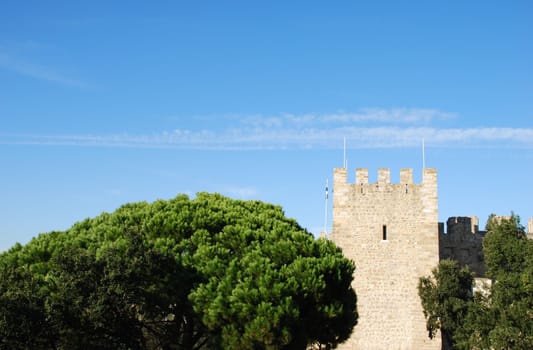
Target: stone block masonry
[[463, 242], [391, 233]]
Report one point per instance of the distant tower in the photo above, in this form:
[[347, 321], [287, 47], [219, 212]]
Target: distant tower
[[390, 231]]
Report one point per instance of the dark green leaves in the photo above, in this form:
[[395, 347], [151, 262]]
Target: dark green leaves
[[206, 273], [445, 296]]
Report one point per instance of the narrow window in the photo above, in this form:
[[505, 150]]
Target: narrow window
[[384, 232]]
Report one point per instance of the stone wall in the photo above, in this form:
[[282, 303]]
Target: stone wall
[[463, 242], [390, 231]]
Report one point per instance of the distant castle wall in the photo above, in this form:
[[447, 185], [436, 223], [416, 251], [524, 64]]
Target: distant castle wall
[[390, 231], [462, 241]]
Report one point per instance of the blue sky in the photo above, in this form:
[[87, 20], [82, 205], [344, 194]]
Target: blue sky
[[107, 102]]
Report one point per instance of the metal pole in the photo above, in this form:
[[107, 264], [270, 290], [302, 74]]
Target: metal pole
[[326, 212], [344, 163]]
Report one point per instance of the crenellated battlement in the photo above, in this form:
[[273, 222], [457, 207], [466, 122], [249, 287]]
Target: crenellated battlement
[[406, 176], [463, 242], [383, 184]]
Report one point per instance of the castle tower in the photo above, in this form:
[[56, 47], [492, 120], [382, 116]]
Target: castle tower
[[390, 231], [463, 242]]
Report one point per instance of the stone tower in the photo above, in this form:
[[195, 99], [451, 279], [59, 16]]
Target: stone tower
[[390, 231], [463, 242]]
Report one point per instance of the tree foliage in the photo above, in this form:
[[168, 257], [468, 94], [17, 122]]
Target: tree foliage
[[509, 259], [500, 318], [445, 296], [205, 273]]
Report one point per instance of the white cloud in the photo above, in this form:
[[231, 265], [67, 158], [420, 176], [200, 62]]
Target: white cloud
[[368, 128], [36, 71], [115, 192], [241, 192], [365, 115], [294, 138], [258, 121], [393, 115]]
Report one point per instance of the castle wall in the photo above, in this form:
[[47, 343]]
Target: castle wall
[[463, 242], [390, 231]]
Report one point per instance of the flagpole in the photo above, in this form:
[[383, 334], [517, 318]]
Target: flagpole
[[326, 212], [344, 163]]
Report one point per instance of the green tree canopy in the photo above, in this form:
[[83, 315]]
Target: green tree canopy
[[205, 273], [509, 311], [502, 316], [445, 296]]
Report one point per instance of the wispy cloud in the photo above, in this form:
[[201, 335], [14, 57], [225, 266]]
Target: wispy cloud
[[395, 116], [264, 139], [36, 71], [304, 132], [241, 192]]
